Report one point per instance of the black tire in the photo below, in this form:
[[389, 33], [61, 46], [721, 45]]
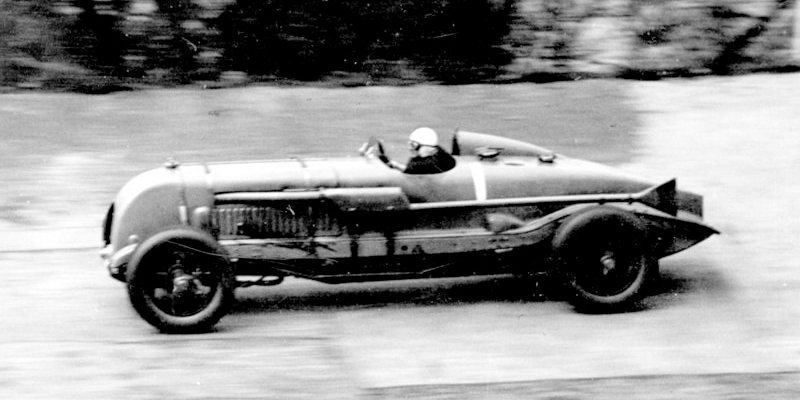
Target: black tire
[[603, 254], [180, 281]]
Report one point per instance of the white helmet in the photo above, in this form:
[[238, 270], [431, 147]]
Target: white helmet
[[424, 136]]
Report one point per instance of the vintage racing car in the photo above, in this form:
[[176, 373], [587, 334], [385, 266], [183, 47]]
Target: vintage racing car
[[183, 236]]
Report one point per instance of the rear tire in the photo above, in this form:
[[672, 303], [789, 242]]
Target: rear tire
[[180, 281], [603, 255]]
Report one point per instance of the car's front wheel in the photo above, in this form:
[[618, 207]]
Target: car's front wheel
[[603, 254], [181, 281]]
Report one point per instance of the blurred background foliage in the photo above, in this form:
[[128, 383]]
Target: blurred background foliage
[[106, 45]]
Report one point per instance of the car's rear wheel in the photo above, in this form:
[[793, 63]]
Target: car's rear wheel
[[180, 281], [603, 255]]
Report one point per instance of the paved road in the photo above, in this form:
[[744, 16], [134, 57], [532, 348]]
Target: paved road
[[722, 324]]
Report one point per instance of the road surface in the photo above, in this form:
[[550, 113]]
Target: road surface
[[723, 322]]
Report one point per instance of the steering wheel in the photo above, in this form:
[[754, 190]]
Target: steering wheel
[[373, 148]]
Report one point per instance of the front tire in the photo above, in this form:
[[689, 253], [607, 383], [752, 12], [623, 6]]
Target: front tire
[[603, 254], [180, 281]]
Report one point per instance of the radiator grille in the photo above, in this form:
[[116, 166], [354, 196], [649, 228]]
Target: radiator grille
[[264, 222]]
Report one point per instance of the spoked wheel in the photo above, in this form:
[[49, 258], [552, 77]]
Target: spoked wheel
[[603, 255], [180, 281]]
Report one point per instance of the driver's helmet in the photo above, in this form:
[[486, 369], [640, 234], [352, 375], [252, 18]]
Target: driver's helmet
[[424, 136]]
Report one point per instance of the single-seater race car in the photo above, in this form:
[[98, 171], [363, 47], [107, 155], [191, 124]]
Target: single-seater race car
[[184, 236]]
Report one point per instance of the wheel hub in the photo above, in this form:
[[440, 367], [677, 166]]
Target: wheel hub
[[609, 262], [181, 282]]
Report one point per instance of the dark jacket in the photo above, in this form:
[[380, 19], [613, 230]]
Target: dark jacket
[[441, 161]]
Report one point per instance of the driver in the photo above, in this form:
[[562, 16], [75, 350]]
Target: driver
[[426, 155]]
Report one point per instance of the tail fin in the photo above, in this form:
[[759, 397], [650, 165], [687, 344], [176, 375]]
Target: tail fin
[[662, 197]]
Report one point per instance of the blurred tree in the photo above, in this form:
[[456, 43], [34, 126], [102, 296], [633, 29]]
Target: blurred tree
[[56, 43], [461, 40], [179, 39], [732, 53], [30, 50], [94, 38], [452, 40], [273, 39]]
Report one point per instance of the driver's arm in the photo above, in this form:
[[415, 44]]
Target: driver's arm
[[395, 165], [390, 163]]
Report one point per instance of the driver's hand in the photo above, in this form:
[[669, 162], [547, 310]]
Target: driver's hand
[[364, 149], [373, 149], [368, 148]]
